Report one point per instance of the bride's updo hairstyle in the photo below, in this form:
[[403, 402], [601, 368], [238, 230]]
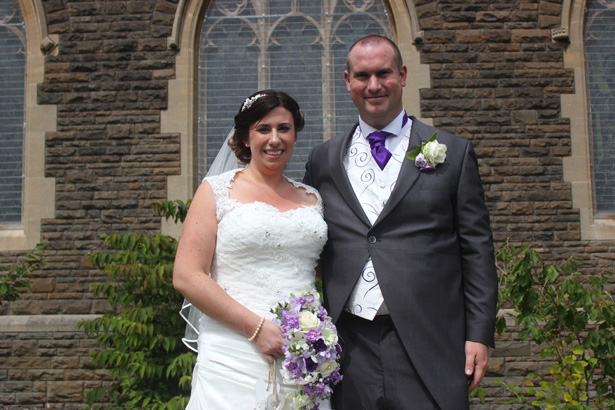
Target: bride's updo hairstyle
[[252, 110]]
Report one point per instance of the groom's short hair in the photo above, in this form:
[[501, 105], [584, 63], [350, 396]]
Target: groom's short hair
[[376, 40]]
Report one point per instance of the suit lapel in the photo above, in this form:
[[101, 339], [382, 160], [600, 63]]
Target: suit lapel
[[340, 177], [408, 174]]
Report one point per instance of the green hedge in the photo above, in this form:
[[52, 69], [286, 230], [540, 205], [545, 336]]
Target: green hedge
[[142, 348], [15, 277]]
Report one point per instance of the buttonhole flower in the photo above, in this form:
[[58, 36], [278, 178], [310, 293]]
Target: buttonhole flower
[[429, 154]]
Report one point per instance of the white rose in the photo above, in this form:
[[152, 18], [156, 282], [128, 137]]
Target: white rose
[[330, 336], [299, 401], [434, 152], [308, 320], [326, 367]]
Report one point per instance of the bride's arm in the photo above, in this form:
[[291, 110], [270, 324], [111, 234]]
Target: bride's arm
[[191, 277]]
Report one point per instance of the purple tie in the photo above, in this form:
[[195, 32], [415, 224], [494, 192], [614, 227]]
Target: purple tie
[[379, 151]]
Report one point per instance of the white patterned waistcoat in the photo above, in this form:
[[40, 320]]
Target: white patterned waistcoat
[[373, 187]]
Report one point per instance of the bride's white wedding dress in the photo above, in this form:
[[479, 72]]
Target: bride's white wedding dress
[[262, 255]]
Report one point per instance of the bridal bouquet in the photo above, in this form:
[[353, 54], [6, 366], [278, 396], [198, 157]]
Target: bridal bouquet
[[311, 349]]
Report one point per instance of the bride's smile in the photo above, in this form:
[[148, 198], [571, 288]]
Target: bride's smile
[[272, 140]]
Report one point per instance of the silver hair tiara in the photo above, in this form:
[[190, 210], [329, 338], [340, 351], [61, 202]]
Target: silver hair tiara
[[249, 101]]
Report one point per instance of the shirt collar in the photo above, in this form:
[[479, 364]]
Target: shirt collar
[[395, 127]]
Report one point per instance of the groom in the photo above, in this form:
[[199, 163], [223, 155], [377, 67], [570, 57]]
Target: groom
[[408, 270]]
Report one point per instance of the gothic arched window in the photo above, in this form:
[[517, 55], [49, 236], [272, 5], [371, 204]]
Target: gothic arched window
[[296, 46], [598, 38], [12, 92]]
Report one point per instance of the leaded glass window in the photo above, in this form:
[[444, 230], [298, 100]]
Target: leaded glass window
[[599, 39], [12, 92], [296, 46]]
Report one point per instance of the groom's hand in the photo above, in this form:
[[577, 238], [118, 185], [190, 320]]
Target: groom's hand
[[477, 361]]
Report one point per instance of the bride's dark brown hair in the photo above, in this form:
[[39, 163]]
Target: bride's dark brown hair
[[252, 110]]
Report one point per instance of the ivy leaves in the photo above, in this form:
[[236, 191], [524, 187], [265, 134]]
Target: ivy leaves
[[572, 318]]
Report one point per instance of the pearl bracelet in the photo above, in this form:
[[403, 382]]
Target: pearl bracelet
[[258, 329]]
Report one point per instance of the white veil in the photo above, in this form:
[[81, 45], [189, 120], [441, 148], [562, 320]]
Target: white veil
[[225, 161]]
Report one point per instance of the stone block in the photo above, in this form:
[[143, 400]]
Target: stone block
[[42, 375], [16, 386], [30, 398], [24, 307], [26, 362], [6, 398], [65, 391], [24, 348], [55, 344], [492, 16], [506, 349], [65, 362], [77, 306], [468, 36], [530, 35], [50, 306]]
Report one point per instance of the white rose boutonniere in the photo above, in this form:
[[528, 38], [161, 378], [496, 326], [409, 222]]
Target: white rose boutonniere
[[429, 154]]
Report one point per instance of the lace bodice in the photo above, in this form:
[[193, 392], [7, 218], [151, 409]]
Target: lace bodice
[[263, 254]]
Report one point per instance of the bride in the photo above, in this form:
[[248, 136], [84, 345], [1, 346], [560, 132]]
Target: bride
[[251, 237]]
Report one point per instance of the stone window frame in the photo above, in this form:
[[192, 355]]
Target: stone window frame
[[577, 167], [39, 119], [180, 116]]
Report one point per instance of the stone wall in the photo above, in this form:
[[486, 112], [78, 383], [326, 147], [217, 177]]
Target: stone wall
[[108, 79], [108, 157], [45, 363], [496, 78]]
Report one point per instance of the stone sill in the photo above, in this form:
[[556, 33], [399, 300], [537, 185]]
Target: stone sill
[[41, 323]]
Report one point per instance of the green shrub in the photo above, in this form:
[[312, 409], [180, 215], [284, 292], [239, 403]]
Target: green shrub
[[150, 366], [572, 318], [15, 276]]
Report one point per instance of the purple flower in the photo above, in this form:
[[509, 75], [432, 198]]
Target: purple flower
[[290, 322], [310, 365], [422, 163], [315, 389], [319, 345], [313, 336], [305, 351]]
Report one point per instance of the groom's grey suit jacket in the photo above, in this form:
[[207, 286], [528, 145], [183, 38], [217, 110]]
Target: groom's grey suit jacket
[[432, 250]]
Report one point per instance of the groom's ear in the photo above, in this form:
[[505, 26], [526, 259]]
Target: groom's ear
[[347, 80]]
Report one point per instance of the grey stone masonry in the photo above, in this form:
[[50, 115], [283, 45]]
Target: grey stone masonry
[[497, 79], [108, 79], [45, 363], [109, 159]]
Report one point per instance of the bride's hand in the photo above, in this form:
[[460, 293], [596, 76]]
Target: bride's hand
[[269, 341]]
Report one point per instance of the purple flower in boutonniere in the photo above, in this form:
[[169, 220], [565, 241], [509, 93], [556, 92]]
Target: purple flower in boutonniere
[[429, 154]]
